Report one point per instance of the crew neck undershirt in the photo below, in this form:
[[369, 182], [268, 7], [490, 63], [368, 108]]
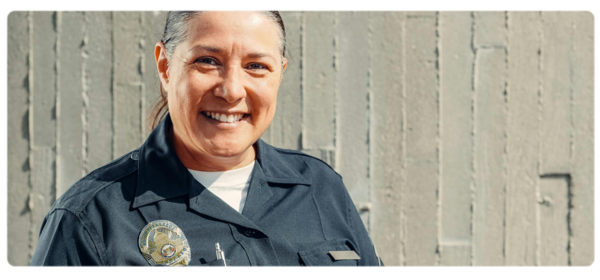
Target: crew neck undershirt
[[230, 186]]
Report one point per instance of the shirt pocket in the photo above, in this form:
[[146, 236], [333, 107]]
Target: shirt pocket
[[216, 264], [319, 255]]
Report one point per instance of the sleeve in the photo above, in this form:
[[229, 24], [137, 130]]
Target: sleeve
[[368, 255], [64, 241]]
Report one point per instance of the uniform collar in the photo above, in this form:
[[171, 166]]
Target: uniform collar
[[161, 175]]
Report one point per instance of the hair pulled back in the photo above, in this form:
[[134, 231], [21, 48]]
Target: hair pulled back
[[175, 33]]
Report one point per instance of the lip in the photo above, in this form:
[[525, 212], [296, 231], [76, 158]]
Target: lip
[[225, 112]]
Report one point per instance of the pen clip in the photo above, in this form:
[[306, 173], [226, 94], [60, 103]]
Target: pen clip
[[220, 254]]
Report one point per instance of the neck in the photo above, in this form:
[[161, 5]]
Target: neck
[[203, 161]]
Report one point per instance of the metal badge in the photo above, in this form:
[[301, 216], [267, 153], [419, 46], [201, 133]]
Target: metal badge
[[163, 243]]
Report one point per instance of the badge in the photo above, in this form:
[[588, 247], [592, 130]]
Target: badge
[[163, 243]]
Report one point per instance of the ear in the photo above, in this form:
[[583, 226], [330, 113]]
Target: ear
[[162, 63], [284, 62]]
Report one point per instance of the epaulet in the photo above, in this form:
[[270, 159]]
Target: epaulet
[[85, 189], [296, 152]]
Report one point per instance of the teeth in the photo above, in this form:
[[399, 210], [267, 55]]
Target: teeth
[[224, 117]]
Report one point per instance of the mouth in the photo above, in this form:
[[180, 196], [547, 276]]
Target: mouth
[[225, 118]]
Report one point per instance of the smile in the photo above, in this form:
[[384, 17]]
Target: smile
[[224, 117]]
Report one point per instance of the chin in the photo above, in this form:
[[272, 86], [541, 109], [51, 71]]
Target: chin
[[229, 149]]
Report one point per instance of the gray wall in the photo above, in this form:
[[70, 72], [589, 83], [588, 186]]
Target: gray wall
[[464, 138]]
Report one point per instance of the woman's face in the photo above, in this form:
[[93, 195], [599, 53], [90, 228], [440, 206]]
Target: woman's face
[[222, 83]]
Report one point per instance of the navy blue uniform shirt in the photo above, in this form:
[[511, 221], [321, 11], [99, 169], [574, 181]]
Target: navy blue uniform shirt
[[296, 211]]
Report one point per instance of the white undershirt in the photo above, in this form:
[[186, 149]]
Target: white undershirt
[[230, 186]]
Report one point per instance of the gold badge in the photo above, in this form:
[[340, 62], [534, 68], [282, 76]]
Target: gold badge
[[163, 243]]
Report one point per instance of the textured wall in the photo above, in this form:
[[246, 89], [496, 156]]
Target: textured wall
[[464, 138]]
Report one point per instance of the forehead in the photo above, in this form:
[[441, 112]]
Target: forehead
[[226, 28]]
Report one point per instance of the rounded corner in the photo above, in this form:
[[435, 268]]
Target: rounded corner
[[9, 13], [591, 10]]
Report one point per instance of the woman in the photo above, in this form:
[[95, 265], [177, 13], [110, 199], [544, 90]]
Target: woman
[[204, 189]]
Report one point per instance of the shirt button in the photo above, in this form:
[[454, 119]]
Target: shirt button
[[249, 232], [135, 156]]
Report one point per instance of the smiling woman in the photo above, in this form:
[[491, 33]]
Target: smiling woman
[[204, 189], [175, 32]]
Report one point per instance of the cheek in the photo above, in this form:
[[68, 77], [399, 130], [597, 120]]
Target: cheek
[[264, 105], [178, 101], [266, 98], [267, 111], [272, 98], [187, 96]]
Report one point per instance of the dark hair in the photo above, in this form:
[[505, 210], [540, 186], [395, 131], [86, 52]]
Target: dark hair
[[175, 33]]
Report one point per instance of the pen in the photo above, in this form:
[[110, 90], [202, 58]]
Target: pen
[[220, 254]]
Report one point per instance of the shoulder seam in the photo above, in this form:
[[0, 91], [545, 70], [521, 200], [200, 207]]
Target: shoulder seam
[[65, 209], [99, 244], [100, 188], [103, 187], [85, 227]]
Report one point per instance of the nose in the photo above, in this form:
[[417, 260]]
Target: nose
[[231, 88]]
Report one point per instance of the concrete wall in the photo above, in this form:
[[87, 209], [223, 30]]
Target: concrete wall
[[464, 138]]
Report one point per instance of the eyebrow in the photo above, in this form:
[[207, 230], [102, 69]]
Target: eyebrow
[[219, 50]]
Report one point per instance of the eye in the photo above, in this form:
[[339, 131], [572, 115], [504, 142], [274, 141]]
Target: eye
[[206, 60], [257, 66]]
